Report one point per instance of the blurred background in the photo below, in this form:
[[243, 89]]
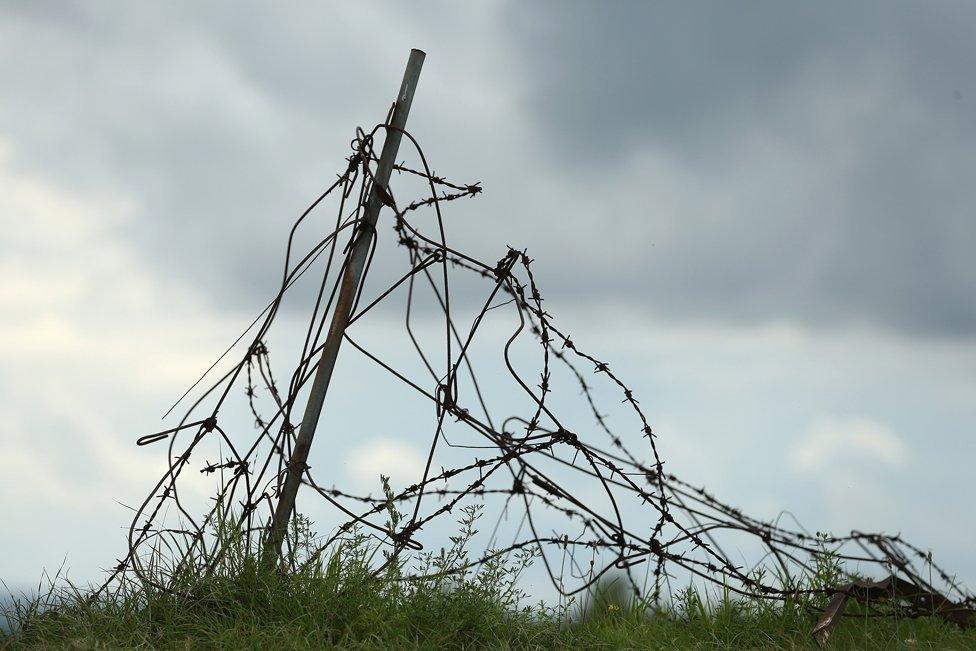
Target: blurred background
[[760, 215]]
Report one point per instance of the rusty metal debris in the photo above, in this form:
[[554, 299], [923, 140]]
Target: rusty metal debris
[[585, 507], [910, 599]]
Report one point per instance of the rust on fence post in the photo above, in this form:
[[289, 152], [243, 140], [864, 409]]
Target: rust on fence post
[[351, 279]]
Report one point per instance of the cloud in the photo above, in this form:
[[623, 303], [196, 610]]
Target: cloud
[[855, 441], [760, 161], [853, 469], [93, 344], [740, 165], [384, 456], [220, 125], [604, 81], [78, 315]]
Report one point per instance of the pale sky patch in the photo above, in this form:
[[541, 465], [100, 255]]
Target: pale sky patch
[[398, 460], [848, 441]]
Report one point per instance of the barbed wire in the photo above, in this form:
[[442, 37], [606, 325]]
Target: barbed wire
[[678, 526]]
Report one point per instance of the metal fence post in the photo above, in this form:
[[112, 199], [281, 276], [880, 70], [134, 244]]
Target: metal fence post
[[351, 279]]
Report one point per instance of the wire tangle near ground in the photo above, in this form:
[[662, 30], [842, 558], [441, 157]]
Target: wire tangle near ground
[[619, 510]]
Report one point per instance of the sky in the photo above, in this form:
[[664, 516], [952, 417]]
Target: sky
[[760, 214]]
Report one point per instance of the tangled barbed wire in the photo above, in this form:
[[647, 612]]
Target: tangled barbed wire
[[582, 499]]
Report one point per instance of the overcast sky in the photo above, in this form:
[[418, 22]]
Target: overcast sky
[[760, 213]]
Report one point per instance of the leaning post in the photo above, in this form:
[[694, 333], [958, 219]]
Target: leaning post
[[352, 276]]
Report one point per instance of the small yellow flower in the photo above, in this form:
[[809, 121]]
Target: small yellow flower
[[612, 608]]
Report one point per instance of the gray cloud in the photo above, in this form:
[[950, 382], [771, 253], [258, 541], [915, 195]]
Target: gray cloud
[[849, 131], [760, 162], [218, 125], [611, 77]]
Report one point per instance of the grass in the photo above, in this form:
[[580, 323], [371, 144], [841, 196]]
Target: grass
[[337, 602]]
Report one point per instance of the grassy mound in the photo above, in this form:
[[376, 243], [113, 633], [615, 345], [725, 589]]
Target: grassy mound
[[340, 601], [261, 610]]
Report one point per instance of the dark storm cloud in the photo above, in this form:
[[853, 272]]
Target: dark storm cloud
[[608, 76], [757, 162], [851, 127]]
